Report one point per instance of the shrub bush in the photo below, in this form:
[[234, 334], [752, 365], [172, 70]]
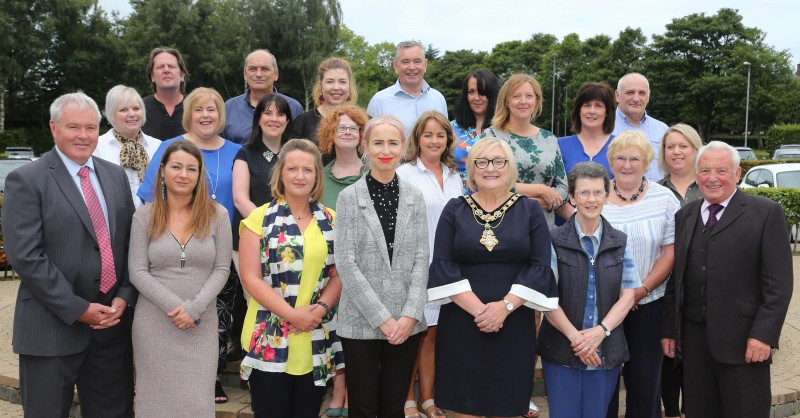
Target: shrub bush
[[782, 135], [787, 197]]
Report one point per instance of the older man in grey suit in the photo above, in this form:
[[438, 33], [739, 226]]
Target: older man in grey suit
[[66, 222]]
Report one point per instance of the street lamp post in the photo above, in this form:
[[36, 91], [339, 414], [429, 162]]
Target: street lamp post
[[747, 104], [553, 101]]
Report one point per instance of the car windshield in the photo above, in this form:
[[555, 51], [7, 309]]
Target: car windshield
[[747, 154], [789, 179], [7, 166]]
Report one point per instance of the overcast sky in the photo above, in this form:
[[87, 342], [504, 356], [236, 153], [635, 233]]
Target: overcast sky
[[479, 25]]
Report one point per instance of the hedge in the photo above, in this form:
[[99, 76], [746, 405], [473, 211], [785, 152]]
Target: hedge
[[40, 140], [787, 197], [748, 164], [782, 135]]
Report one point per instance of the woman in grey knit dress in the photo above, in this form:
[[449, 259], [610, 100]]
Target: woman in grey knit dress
[[179, 259]]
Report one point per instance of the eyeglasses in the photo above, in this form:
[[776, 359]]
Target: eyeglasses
[[721, 172], [496, 162], [598, 194], [343, 129], [632, 160]]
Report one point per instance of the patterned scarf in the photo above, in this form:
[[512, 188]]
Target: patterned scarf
[[133, 155], [281, 267]]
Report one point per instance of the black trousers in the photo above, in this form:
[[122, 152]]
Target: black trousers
[[103, 374], [642, 373], [378, 375], [716, 390], [671, 386], [282, 395], [226, 300]]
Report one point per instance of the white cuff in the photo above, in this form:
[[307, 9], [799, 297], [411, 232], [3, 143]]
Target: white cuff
[[534, 299], [441, 295]]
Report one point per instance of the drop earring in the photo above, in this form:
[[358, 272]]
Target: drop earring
[[163, 189]]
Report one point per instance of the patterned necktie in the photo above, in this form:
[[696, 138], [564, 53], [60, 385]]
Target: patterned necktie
[[108, 275], [713, 210]]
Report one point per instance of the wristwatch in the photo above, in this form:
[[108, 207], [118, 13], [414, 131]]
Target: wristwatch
[[608, 333], [509, 305]]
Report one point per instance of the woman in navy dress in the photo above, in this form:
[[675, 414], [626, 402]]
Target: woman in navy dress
[[491, 258]]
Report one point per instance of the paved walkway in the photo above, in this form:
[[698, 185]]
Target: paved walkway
[[785, 376]]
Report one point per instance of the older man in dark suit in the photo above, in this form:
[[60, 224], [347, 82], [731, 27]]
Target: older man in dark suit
[[66, 223], [729, 293]]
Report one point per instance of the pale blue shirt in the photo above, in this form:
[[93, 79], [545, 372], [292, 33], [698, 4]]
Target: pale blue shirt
[[73, 168], [653, 129], [649, 224], [394, 101]]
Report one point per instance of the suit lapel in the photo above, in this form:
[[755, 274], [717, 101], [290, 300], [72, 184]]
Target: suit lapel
[[108, 194], [690, 222], [368, 211], [71, 192], [734, 209]]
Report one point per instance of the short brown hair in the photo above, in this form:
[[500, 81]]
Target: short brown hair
[[181, 66], [195, 96], [501, 113], [276, 182], [327, 126], [447, 156], [594, 91]]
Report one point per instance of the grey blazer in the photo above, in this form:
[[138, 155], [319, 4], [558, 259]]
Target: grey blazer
[[50, 241], [373, 290]]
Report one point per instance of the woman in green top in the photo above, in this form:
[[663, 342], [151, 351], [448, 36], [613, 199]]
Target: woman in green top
[[339, 137], [287, 266], [676, 160], [679, 148]]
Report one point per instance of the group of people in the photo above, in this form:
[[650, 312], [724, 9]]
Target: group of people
[[371, 250]]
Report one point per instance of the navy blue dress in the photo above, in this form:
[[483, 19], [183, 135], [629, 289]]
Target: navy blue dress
[[481, 373]]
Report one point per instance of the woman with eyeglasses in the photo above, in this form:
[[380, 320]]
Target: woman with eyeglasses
[[645, 211], [491, 259], [339, 139], [582, 344]]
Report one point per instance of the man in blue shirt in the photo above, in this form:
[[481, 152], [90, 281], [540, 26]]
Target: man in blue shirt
[[260, 73], [633, 94], [410, 96]]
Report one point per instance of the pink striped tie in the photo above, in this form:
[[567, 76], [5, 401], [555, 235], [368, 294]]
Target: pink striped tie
[[108, 275]]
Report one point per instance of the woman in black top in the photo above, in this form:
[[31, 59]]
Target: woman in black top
[[252, 168], [335, 86]]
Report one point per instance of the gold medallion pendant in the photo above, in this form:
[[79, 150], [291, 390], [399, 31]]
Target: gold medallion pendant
[[488, 238]]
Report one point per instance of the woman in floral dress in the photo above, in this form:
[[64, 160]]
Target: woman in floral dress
[[286, 262]]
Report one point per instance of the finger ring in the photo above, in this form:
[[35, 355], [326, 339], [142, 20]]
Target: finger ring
[[585, 348]]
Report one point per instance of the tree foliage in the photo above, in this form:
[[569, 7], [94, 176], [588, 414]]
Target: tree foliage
[[696, 70]]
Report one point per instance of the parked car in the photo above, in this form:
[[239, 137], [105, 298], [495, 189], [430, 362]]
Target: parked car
[[6, 167], [20, 153], [790, 146], [786, 153], [772, 175], [746, 153]]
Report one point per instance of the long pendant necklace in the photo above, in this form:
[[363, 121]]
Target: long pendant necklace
[[488, 237], [635, 195], [214, 185], [183, 247]]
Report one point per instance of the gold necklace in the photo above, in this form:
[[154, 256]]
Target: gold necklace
[[488, 237]]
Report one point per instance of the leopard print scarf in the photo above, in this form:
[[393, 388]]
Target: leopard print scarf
[[133, 154]]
